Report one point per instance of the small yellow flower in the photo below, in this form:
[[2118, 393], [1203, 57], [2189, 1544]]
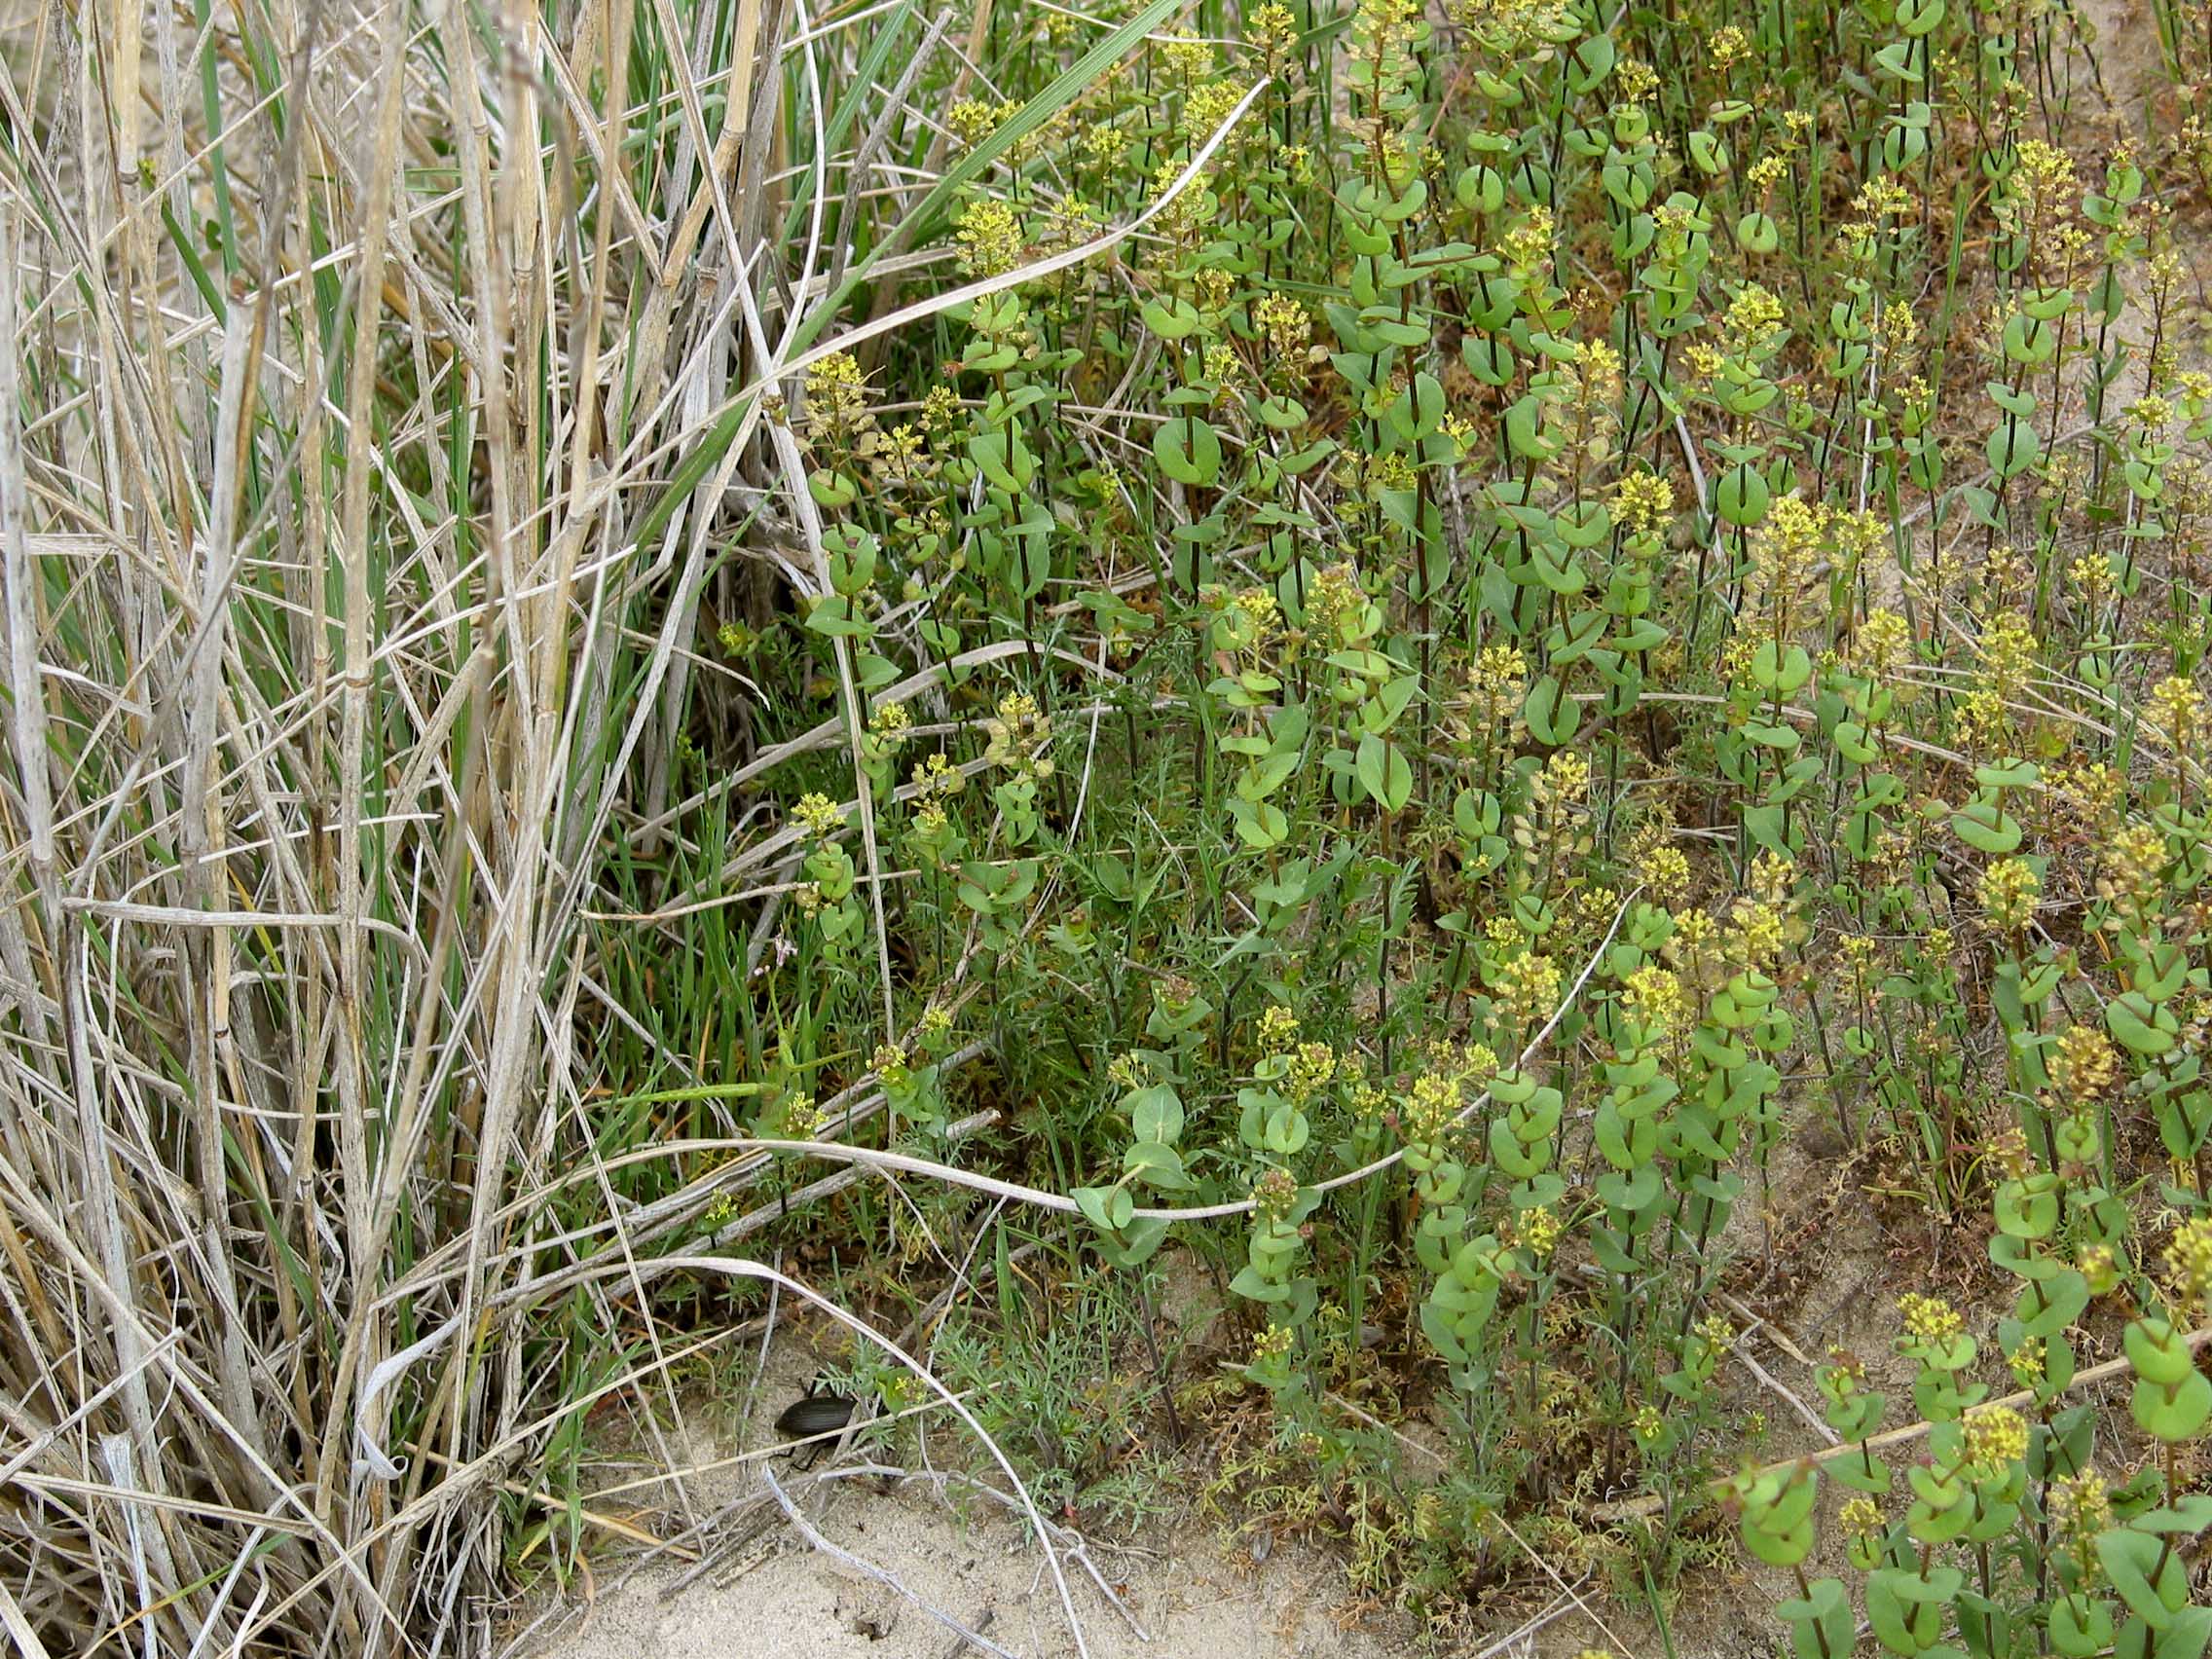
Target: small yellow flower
[[971, 120], [1929, 1318], [1209, 105], [1528, 986], [941, 408], [820, 814], [2008, 653], [1429, 1109], [1529, 244], [2176, 711], [1310, 1069], [1666, 871], [1654, 995], [1861, 1515], [1021, 736], [1538, 1229], [1271, 30], [1287, 326], [2008, 1151], [1643, 501], [1566, 775], [2009, 891], [1751, 320], [1727, 48], [2085, 1064], [2189, 1259], [2099, 1267], [1883, 643], [990, 237], [803, 1117], [2081, 1506], [1995, 1436]]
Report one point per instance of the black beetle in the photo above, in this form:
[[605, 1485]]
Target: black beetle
[[816, 1411]]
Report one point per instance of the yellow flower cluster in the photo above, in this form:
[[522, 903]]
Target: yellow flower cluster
[[1727, 48], [2080, 1505], [1286, 327], [1529, 988], [801, 1118], [973, 119], [1929, 1318], [1104, 144], [1654, 996], [1643, 501], [2134, 865], [2176, 711], [1334, 597], [1765, 173], [821, 814], [1311, 1066], [1020, 735], [836, 394], [2009, 891], [1788, 544], [1529, 244], [2008, 1152], [2084, 1064], [1996, 1437], [1883, 643], [1751, 320], [2008, 653], [1757, 932], [1188, 59], [1665, 870], [1429, 1109], [1271, 30], [1566, 776], [1634, 82], [990, 238], [1504, 26], [2093, 790], [2189, 1259], [889, 1063], [1209, 105], [1539, 1230]]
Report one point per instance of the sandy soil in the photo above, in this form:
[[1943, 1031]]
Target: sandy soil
[[987, 1573], [764, 1591]]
